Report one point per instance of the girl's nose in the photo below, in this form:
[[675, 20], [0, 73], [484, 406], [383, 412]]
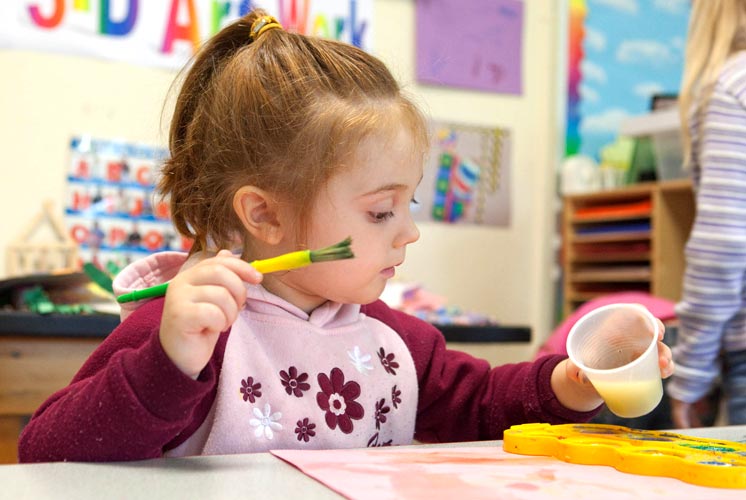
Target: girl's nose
[[409, 234]]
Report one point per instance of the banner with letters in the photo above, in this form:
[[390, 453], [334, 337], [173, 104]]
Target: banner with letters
[[165, 33]]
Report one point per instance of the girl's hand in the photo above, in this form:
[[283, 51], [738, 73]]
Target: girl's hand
[[201, 302], [684, 415], [574, 390]]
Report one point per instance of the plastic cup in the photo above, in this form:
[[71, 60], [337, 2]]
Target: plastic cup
[[616, 346]]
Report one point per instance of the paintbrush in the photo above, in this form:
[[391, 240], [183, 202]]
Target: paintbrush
[[285, 262]]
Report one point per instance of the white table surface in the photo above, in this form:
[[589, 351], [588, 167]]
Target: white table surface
[[252, 476]]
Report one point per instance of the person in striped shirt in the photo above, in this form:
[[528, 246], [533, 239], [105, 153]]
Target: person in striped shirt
[[711, 345]]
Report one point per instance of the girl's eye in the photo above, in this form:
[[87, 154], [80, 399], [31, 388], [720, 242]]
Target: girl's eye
[[414, 201], [380, 216]]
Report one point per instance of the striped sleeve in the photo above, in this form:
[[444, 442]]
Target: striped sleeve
[[711, 311]]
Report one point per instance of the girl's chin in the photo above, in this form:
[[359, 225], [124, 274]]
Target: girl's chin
[[368, 296], [388, 273]]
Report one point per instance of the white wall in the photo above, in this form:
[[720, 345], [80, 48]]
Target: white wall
[[505, 272], [502, 271]]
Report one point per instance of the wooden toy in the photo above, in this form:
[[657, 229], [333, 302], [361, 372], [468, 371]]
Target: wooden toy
[[705, 462], [30, 254]]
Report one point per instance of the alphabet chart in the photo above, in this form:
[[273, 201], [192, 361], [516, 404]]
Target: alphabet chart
[[111, 208]]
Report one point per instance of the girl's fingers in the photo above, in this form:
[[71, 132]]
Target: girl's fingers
[[243, 269], [661, 329], [574, 373], [212, 319], [225, 270], [666, 366], [220, 276], [220, 297], [665, 360]]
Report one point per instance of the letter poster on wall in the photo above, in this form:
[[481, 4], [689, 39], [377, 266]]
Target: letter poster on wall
[[165, 33], [111, 209]]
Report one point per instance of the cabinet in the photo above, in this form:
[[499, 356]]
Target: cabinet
[[628, 239]]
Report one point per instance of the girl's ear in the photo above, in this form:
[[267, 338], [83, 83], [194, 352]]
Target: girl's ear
[[258, 212]]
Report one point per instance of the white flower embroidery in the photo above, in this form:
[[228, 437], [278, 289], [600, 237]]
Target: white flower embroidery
[[337, 404], [266, 423], [360, 361]]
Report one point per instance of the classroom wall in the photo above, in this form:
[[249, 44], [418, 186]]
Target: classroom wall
[[505, 272]]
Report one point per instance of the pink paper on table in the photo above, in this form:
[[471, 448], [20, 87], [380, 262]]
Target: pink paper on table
[[473, 44], [477, 473]]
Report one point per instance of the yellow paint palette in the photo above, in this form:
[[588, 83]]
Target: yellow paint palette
[[705, 462]]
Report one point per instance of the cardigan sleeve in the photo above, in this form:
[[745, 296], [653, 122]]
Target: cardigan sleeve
[[461, 398], [127, 402]]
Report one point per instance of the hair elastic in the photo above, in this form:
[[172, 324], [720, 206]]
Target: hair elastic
[[262, 24]]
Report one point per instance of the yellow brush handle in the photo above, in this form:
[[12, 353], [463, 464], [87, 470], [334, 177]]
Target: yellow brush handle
[[283, 262]]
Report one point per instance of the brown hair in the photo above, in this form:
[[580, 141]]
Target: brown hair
[[281, 113]]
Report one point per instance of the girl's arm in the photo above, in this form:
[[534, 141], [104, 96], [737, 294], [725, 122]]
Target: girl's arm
[[127, 402], [462, 399]]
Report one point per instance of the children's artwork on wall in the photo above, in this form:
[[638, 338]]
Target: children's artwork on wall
[[111, 211], [620, 54], [467, 176], [472, 44]]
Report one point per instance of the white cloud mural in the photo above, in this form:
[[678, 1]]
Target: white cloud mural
[[648, 89], [672, 6], [644, 51], [589, 94], [592, 72], [629, 6], [606, 121], [595, 40]]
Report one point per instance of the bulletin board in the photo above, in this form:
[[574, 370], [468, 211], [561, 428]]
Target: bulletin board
[[620, 54], [467, 176], [111, 209]]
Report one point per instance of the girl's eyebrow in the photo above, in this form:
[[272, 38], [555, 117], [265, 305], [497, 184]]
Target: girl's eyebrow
[[394, 186], [386, 187]]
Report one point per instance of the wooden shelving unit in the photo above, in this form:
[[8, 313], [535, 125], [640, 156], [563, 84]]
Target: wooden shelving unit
[[626, 239]]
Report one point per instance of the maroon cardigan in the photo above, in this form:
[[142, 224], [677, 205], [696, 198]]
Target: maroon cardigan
[[130, 402]]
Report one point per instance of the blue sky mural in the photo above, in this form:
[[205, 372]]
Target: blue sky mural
[[632, 50]]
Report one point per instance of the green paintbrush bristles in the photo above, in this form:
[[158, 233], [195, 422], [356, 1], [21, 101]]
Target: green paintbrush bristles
[[339, 251]]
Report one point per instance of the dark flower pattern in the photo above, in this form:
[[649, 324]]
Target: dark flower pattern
[[373, 442], [305, 430], [337, 399], [395, 399], [387, 360], [294, 383], [250, 390], [380, 413]]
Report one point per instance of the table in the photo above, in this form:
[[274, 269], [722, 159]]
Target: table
[[258, 475], [40, 354]]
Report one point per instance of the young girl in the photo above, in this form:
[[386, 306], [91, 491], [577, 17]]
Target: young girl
[[281, 141], [712, 311]]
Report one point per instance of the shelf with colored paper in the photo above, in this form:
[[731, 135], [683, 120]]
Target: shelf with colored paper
[[628, 239], [614, 211]]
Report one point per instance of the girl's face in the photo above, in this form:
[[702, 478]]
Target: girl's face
[[369, 201]]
